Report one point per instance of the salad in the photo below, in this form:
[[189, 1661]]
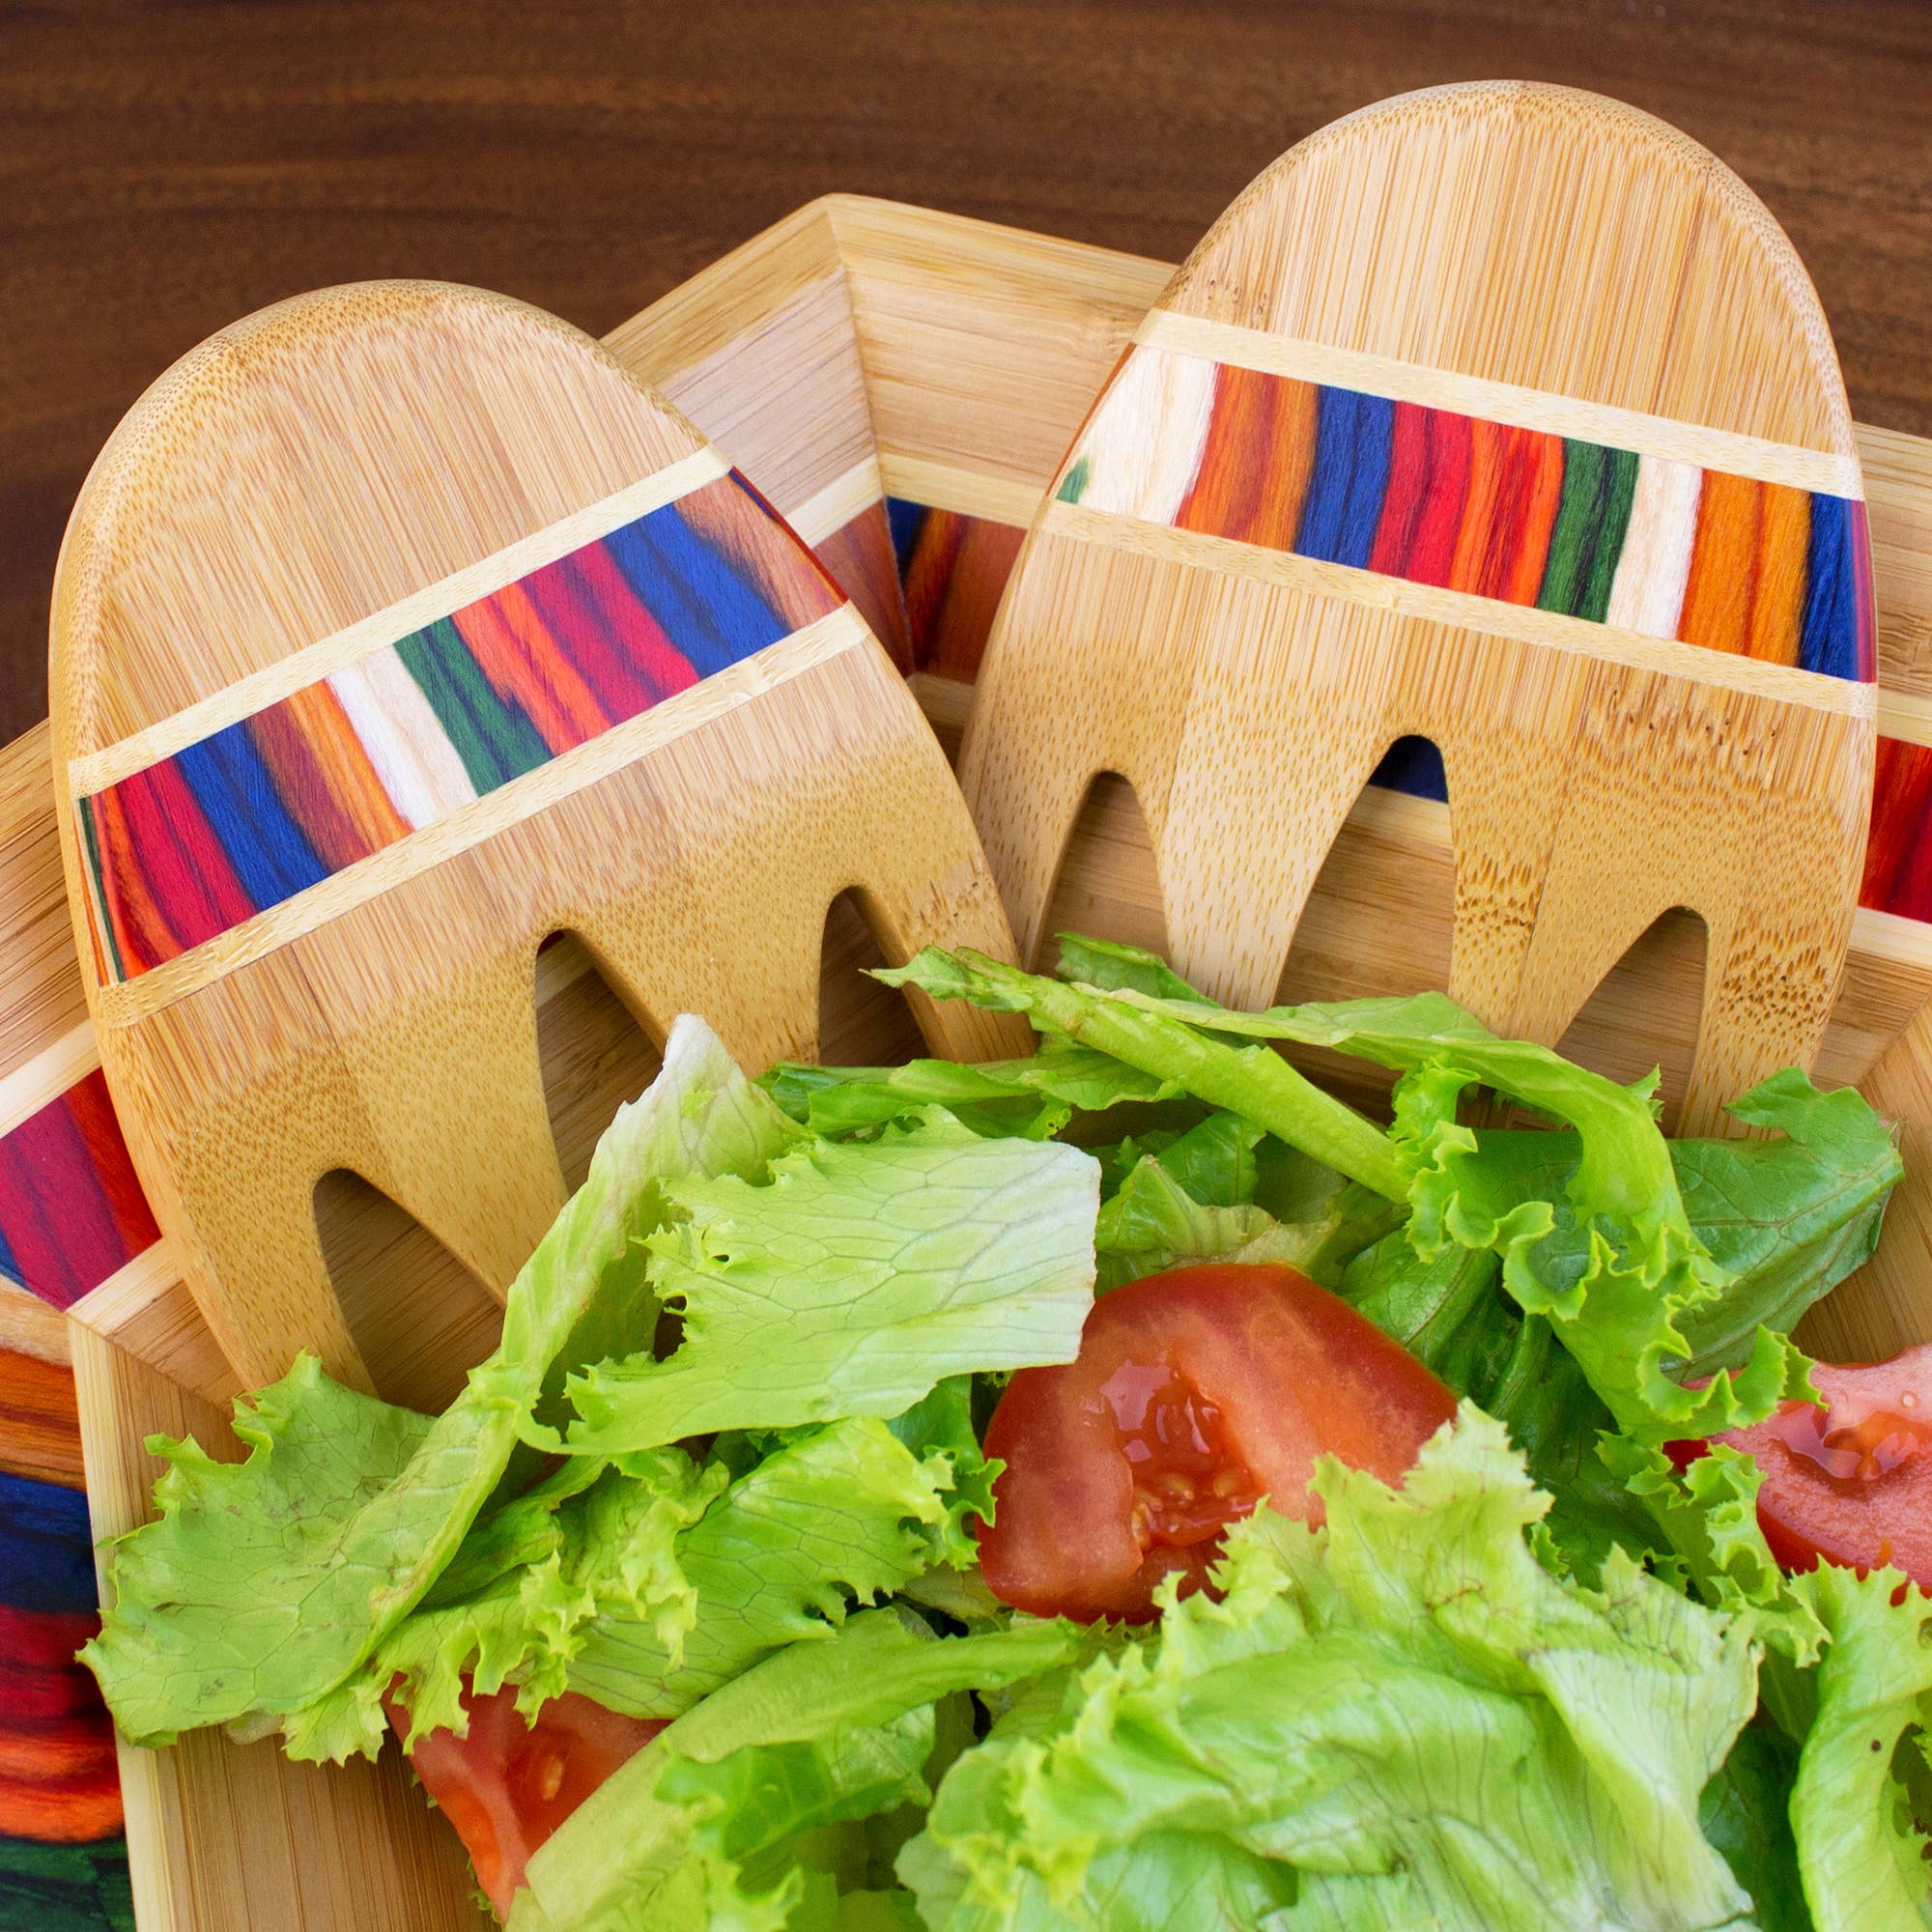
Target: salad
[[1124, 1488]]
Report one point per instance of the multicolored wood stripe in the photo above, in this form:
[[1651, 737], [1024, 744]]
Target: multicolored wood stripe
[[63, 1863], [1642, 543], [72, 1211], [406, 734], [953, 568]]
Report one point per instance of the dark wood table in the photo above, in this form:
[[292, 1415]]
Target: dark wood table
[[165, 168]]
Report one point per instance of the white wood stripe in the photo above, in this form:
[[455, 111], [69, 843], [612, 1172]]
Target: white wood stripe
[[1654, 565], [409, 748], [95, 771], [47, 1074], [1484, 616], [1834, 473], [482, 818], [1144, 444]]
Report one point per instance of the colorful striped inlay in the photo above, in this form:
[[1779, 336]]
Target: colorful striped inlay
[[72, 1211], [406, 734], [953, 568], [58, 1779], [1641, 542]]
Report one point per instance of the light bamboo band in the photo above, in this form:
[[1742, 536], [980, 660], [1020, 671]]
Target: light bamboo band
[[1664, 437], [95, 771], [1478, 616], [483, 818]]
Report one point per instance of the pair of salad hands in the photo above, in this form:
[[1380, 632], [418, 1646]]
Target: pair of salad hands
[[1394, 1541]]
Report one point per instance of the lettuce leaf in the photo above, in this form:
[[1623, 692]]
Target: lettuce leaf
[[1404, 1709], [1033, 1098], [262, 1586], [852, 1282], [706, 1826], [1746, 1812], [1250, 1081], [662, 1577], [1643, 1265], [839, 1512], [1785, 1218], [1861, 1855]]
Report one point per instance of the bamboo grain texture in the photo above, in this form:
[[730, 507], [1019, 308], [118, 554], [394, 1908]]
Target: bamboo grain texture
[[312, 931], [861, 350], [1013, 335], [1240, 595]]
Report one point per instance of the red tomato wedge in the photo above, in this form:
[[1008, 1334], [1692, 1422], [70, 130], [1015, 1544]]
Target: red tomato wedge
[[1195, 1393], [510, 1783], [1851, 1482]]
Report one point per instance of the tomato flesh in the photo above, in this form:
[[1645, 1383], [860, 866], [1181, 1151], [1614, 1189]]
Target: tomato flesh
[[1195, 1394], [1848, 1483], [509, 1782]]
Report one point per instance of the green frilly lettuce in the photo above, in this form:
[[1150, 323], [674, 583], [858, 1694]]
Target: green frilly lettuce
[[264, 1585], [1400, 1719]]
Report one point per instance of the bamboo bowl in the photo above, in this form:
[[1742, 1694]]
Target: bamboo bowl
[[901, 384]]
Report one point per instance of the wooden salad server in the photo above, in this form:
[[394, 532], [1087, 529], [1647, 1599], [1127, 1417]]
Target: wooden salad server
[[396, 629], [1506, 416]]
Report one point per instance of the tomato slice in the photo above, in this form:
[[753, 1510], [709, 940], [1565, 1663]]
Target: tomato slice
[[509, 1784], [1851, 1482], [1195, 1393]]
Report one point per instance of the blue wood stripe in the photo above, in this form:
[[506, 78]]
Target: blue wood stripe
[[905, 520], [269, 851], [1827, 639], [706, 606], [46, 1547], [1348, 478], [1368, 481]]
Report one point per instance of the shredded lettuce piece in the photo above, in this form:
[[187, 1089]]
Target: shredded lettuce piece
[[852, 1282], [706, 1826], [262, 1586], [1404, 1709], [1861, 1855]]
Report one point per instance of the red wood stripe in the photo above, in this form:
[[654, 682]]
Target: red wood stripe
[[1260, 427], [1440, 452], [72, 1211], [59, 1782], [1898, 851], [859, 555], [507, 638]]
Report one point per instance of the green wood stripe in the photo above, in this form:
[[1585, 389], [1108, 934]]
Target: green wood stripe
[[1618, 488], [61, 1887], [1573, 537], [494, 742], [93, 842], [1592, 517]]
